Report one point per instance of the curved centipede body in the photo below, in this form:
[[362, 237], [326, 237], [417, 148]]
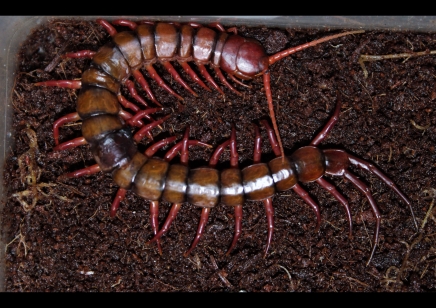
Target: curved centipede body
[[100, 107]]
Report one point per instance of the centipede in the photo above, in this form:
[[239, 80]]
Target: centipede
[[106, 129]]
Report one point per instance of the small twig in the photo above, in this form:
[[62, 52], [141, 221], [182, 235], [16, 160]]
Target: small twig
[[117, 283], [289, 275], [407, 55], [419, 126]]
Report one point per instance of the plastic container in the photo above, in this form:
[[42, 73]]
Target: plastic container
[[15, 29]]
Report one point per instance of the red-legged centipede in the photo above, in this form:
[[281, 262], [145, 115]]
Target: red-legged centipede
[[149, 43], [155, 179]]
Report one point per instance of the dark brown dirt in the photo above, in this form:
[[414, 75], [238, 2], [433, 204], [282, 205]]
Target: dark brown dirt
[[62, 238]]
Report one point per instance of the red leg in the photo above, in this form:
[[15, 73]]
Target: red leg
[[153, 74], [329, 126], [146, 22], [193, 75], [203, 220], [257, 145], [305, 196], [85, 171], [131, 86], [171, 217], [184, 156], [69, 84], [158, 145], [332, 189], [267, 86], [269, 210], [209, 78], [373, 169], [71, 117], [176, 148], [154, 214], [126, 116], [126, 23], [272, 138], [121, 194], [238, 223], [213, 161], [177, 77], [80, 54], [234, 157], [365, 190], [70, 144], [145, 86], [142, 114], [126, 104], [221, 28], [184, 144], [224, 80], [238, 81], [143, 131], [107, 26]]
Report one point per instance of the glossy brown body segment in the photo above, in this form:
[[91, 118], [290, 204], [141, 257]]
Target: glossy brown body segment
[[222, 38], [95, 77], [186, 39], [150, 180], [309, 163], [112, 61], [203, 187], [232, 191], [336, 162], [283, 173], [258, 182], [97, 127], [176, 184], [130, 47], [95, 101], [125, 175], [204, 44], [145, 35], [166, 41]]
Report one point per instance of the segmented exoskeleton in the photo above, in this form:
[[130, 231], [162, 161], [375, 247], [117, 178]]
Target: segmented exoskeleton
[[114, 147], [149, 43]]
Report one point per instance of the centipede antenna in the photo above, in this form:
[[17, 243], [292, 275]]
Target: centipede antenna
[[267, 86], [282, 54]]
